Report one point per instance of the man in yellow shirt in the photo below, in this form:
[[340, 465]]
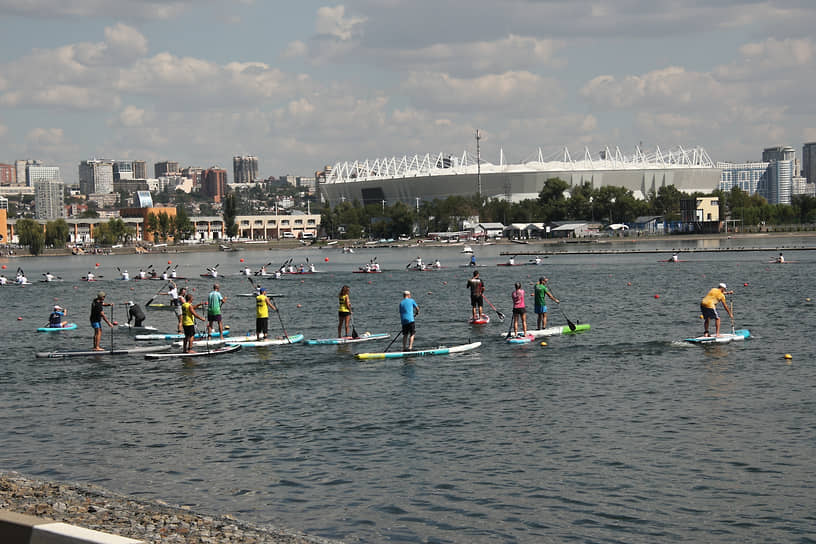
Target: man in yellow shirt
[[188, 317], [708, 307], [262, 307]]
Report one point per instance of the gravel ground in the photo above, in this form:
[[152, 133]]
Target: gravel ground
[[96, 508]]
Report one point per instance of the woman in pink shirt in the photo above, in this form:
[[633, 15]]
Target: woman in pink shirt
[[519, 309]]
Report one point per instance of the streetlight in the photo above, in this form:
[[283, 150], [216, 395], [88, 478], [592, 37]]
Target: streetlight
[[383, 206]]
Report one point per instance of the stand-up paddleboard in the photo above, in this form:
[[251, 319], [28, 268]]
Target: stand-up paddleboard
[[347, 339], [90, 352], [483, 319], [176, 336], [204, 342], [67, 327], [134, 329], [251, 342], [555, 331], [210, 353], [420, 353], [522, 339], [723, 338]]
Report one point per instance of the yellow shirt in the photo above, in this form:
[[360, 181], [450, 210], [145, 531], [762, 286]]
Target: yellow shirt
[[187, 317], [261, 309], [344, 304], [712, 298]]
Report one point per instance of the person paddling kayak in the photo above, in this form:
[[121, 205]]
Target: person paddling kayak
[[708, 307]]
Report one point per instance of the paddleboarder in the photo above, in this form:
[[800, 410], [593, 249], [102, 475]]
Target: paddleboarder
[[135, 313], [408, 310], [542, 291], [97, 316], [214, 301], [56, 319], [519, 309], [262, 307], [189, 316], [708, 307], [343, 310], [477, 288], [176, 300]]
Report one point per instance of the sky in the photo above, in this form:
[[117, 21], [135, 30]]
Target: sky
[[306, 84]]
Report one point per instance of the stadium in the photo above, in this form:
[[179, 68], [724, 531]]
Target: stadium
[[429, 177]]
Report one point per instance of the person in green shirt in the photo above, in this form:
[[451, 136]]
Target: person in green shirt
[[542, 291]]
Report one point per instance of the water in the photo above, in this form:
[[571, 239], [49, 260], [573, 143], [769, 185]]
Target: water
[[621, 434]]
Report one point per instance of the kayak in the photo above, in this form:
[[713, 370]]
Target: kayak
[[481, 320], [134, 328], [367, 271], [209, 353], [739, 334], [175, 336], [555, 331], [366, 336], [68, 327], [510, 264], [251, 342], [90, 352], [421, 353], [160, 306]]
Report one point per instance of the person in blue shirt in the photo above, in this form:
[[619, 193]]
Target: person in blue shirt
[[408, 310], [56, 319]]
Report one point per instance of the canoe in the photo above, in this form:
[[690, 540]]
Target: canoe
[[365, 337], [723, 338], [67, 327], [421, 353], [92, 353], [555, 331]]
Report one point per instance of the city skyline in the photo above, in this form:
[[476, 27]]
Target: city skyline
[[305, 85]]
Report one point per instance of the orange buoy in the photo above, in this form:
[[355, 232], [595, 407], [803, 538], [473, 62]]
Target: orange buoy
[[657, 296], [326, 259]]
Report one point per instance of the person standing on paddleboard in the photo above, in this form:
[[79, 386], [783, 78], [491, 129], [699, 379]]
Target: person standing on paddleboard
[[262, 307], [97, 316], [135, 313], [477, 288], [519, 309], [708, 307], [408, 310], [188, 317], [214, 301], [343, 310], [542, 291], [176, 300], [56, 319]]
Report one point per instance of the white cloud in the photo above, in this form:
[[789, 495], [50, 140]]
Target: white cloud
[[762, 59], [46, 137], [294, 49], [125, 43], [131, 116], [332, 21]]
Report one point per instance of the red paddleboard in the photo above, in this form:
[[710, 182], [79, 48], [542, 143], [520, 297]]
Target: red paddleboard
[[481, 320]]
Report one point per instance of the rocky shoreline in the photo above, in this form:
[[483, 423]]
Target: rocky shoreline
[[96, 508]]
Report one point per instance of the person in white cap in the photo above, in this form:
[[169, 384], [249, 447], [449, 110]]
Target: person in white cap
[[708, 307], [55, 320], [136, 313]]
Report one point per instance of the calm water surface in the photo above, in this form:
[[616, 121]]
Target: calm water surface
[[621, 434]]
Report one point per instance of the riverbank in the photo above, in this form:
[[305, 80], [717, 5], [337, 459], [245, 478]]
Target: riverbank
[[96, 508]]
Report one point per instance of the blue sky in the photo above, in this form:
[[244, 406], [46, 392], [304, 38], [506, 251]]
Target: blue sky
[[306, 84]]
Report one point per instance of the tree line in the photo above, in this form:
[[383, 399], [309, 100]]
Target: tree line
[[556, 201]]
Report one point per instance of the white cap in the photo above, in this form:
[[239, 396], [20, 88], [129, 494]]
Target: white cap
[[722, 286], [406, 293], [57, 307], [130, 303]]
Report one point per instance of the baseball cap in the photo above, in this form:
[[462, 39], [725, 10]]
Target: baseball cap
[[100, 294], [722, 286], [406, 293], [130, 303], [263, 289], [57, 307]]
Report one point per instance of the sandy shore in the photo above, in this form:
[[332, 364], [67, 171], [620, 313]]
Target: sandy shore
[[96, 508]]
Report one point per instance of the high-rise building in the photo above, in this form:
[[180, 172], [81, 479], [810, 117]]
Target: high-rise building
[[165, 168], [40, 173], [8, 174], [21, 166], [778, 153], [809, 161], [193, 173], [49, 203], [778, 184], [245, 169], [214, 183], [96, 177], [747, 176], [122, 170], [139, 170]]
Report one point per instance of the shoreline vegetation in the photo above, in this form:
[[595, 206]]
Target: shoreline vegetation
[[548, 245], [93, 507]]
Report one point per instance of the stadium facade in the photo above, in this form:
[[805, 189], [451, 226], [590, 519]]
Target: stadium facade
[[429, 177]]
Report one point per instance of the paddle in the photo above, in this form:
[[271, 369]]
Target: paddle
[[277, 311], [399, 333], [510, 328], [353, 330], [261, 269], [569, 323], [498, 313], [157, 294], [733, 331]]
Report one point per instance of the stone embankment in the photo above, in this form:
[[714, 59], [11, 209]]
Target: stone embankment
[[94, 508]]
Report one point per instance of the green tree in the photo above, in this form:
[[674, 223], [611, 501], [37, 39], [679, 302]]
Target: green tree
[[230, 211], [57, 233], [667, 202], [183, 226], [552, 199], [30, 233]]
